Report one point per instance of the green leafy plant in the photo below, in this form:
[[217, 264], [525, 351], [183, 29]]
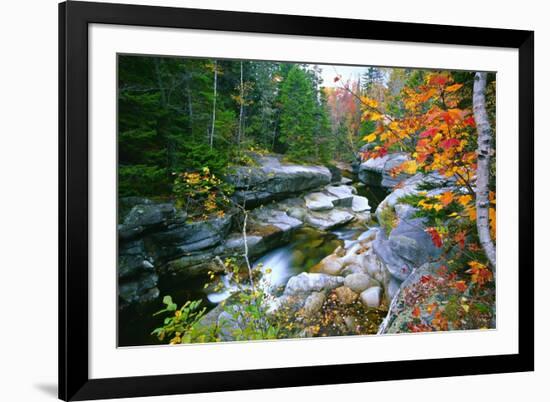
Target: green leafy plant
[[176, 327], [388, 219]]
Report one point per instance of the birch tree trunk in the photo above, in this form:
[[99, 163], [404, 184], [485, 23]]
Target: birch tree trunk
[[211, 139], [484, 153], [241, 102]]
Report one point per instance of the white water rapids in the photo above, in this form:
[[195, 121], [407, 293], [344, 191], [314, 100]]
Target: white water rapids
[[279, 262]]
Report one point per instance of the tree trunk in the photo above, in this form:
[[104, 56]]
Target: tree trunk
[[170, 147], [484, 153], [189, 107], [241, 101], [211, 139]]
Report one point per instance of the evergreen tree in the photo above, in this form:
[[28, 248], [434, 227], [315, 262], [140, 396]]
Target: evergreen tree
[[373, 76], [298, 114]]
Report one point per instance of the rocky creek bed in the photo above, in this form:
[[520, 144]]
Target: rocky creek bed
[[315, 228]]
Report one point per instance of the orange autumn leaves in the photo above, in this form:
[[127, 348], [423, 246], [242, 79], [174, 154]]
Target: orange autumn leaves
[[434, 130], [462, 302], [466, 202]]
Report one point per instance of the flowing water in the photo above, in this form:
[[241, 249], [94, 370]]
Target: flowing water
[[306, 248]]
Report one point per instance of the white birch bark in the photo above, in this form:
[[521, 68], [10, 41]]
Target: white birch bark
[[484, 154]]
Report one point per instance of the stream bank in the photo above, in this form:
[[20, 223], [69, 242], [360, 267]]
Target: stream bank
[[162, 252], [329, 261]]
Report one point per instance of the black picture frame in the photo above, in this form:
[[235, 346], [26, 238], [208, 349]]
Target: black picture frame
[[74, 381]]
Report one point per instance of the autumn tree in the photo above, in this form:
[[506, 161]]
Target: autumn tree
[[438, 129]]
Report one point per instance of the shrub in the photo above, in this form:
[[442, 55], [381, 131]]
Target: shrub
[[201, 192], [388, 219]]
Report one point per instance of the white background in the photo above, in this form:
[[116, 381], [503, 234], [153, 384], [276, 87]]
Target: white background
[[108, 361], [28, 212]]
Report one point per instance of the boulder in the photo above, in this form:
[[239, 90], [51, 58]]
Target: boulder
[[392, 288], [360, 204], [313, 304], [400, 311], [358, 282], [404, 211], [407, 247], [267, 229], [346, 181], [311, 282], [354, 255], [327, 220], [261, 217], [331, 265], [319, 201], [395, 160], [132, 259], [343, 195], [410, 187], [352, 269], [273, 179], [345, 168], [377, 171], [335, 173], [345, 295], [372, 297], [144, 216], [188, 237], [368, 235], [140, 289]]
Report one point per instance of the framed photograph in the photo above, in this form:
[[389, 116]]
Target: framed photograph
[[257, 201]]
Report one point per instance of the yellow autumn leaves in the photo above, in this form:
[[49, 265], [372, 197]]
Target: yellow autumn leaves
[[370, 137]]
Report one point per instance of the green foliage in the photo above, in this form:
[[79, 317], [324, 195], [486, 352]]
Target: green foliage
[[246, 317], [135, 180], [199, 155], [298, 108], [169, 108], [182, 325], [388, 219]]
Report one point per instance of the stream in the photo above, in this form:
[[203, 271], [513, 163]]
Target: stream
[[306, 248]]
